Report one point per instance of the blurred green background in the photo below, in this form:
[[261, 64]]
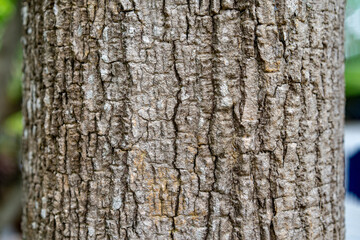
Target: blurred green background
[[352, 48], [10, 80], [10, 104], [10, 120], [352, 62]]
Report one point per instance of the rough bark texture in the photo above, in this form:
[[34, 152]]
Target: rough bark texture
[[183, 119]]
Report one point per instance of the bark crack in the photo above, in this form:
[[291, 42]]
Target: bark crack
[[178, 102], [210, 141]]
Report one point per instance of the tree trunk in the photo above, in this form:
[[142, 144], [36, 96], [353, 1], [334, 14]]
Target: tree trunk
[[183, 119]]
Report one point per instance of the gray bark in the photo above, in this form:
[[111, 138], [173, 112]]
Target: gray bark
[[183, 119]]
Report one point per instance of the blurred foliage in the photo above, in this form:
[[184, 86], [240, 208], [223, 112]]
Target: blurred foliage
[[352, 46], [11, 128], [13, 124], [10, 136], [6, 8], [352, 76], [14, 86]]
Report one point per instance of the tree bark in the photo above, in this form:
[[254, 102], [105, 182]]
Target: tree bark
[[183, 119]]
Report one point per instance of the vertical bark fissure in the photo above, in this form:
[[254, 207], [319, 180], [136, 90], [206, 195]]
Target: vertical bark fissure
[[210, 140], [259, 71], [178, 102], [127, 149]]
